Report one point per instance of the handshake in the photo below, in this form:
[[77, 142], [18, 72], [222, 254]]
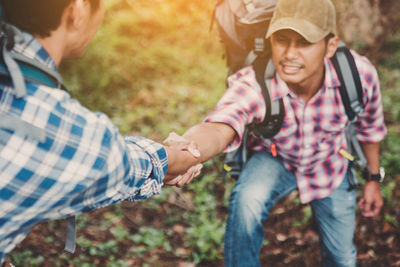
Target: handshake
[[184, 162]]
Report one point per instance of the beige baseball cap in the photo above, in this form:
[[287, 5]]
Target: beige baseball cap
[[312, 19]]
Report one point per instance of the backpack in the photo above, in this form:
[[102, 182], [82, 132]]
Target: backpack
[[242, 26], [19, 70]]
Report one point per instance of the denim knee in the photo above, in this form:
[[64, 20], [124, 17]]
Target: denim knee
[[335, 217], [248, 203]]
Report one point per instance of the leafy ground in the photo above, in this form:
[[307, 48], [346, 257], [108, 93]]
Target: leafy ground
[[154, 68]]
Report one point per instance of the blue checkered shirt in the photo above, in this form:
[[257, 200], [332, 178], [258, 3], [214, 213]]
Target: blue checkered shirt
[[83, 164]]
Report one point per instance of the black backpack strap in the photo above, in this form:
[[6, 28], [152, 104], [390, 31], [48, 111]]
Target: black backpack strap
[[350, 84], [274, 110], [272, 123]]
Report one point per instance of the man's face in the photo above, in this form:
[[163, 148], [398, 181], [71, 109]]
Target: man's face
[[91, 20], [298, 62]]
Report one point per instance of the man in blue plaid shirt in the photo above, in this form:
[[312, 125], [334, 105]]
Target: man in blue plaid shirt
[[57, 158]]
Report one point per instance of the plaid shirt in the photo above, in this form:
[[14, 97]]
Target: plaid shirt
[[312, 133], [84, 163]]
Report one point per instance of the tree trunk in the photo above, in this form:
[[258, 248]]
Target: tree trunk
[[366, 24]]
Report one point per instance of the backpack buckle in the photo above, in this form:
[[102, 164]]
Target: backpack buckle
[[259, 46]]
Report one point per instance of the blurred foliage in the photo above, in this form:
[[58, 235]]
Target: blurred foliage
[[152, 60], [154, 67]]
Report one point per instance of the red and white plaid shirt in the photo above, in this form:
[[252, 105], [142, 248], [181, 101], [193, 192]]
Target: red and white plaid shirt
[[312, 133]]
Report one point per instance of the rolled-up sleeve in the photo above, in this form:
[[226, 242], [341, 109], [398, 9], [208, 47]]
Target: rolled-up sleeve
[[370, 123]]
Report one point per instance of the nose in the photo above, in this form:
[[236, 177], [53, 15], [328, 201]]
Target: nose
[[291, 51]]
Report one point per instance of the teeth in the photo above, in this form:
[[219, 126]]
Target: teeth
[[291, 67]]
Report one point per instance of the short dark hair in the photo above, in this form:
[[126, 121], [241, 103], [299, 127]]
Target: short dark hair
[[328, 37], [38, 17]]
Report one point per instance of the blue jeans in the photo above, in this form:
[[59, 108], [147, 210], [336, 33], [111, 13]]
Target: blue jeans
[[264, 181]]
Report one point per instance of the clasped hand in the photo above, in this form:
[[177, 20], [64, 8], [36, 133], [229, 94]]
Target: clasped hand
[[184, 160]]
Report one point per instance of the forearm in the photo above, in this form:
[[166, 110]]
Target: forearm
[[371, 151], [211, 138], [372, 201]]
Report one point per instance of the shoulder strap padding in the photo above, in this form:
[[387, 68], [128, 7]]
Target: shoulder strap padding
[[351, 90], [33, 72]]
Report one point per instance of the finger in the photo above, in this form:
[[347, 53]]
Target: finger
[[361, 204], [190, 174], [173, 136], [368, 214], [174, 139], [168, 139], [181, 183], [375, 209], [367, 209], [173, 181], [196, 173], [192, 148], [191, 177], [185, 177]]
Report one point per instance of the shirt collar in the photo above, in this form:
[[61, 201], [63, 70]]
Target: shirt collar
[[279, 88], [31, 48], [331, 77]]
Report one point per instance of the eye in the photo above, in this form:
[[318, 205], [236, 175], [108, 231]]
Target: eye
[[303, 42], [281, 39]]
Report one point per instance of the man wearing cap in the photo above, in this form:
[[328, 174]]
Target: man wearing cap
[[303, 38]]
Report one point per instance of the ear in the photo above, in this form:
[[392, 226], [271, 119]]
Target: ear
[[73, 15], [332, 46]]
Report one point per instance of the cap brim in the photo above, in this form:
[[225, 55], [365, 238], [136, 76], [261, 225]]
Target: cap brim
[[309, 31]]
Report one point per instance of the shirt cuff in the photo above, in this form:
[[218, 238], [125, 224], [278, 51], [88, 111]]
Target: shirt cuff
[[159, 161]]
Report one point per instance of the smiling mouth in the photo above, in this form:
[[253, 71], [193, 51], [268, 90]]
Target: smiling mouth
[[290, 68]]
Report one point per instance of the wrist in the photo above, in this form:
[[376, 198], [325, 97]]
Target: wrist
[[374, 176]]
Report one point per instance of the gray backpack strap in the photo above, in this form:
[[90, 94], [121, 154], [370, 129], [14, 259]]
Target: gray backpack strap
[[351, 92], [9, 122], [351, 89], [52, 75], [16, 124], [11, 65], [351, 138], [70, 238]]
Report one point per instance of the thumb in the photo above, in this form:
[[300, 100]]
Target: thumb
[[367, 207], [173, 137], [361, 204], [192, 148]]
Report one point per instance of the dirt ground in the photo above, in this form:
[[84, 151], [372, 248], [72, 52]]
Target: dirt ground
[[377, 240]]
